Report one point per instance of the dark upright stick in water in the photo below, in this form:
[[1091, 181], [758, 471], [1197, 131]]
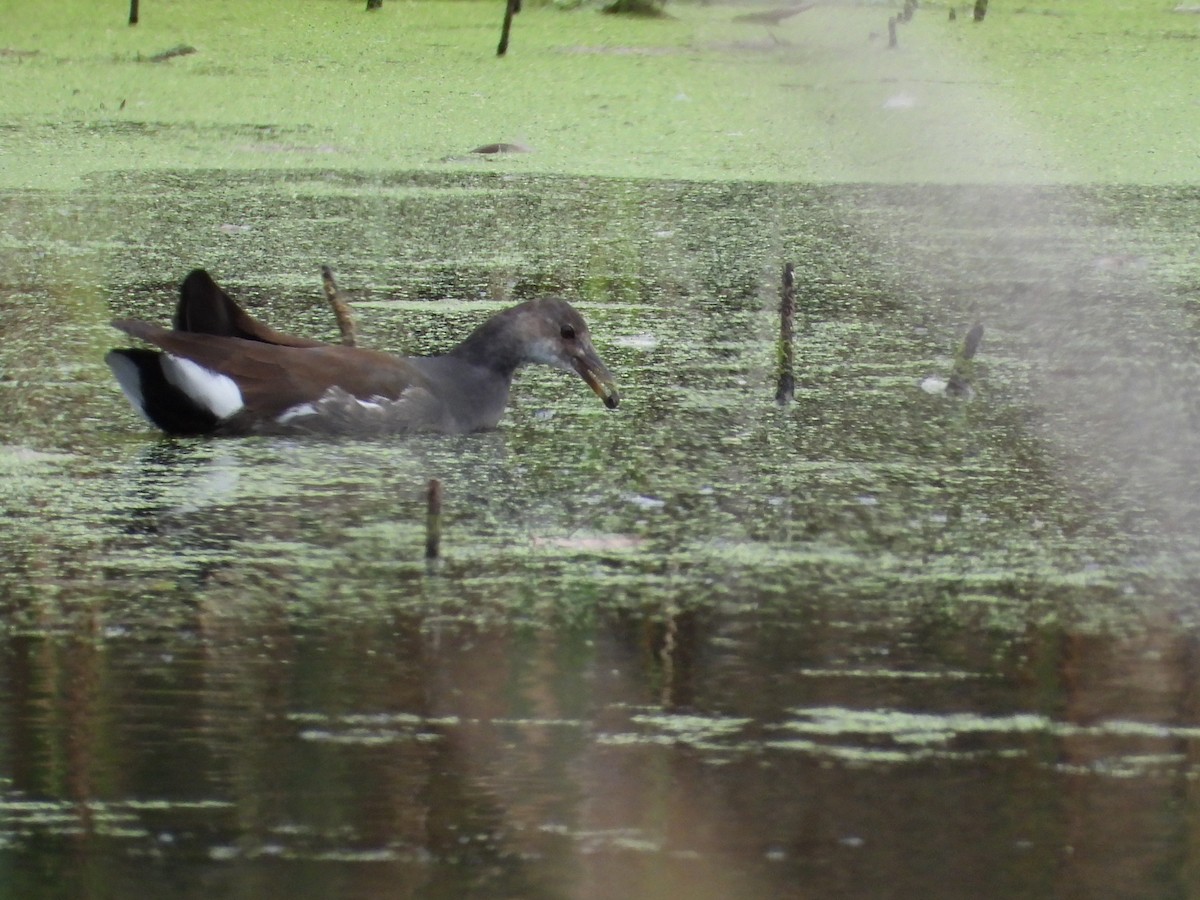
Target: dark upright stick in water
[[787, 331], [433, 519]]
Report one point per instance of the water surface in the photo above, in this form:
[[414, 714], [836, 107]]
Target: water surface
[[877, 642]]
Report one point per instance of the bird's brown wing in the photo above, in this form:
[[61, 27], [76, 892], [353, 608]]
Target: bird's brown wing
[[273, 378]]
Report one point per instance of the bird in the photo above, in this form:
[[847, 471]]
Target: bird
[[219, 371]]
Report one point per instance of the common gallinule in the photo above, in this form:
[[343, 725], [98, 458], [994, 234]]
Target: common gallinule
[[220, 371]]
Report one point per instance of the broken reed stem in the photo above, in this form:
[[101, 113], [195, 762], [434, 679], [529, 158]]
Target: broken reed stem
[[963, 372], [910, 7], [511, 8], [341, 309], [786, 389], [970, 344], [433, 519]]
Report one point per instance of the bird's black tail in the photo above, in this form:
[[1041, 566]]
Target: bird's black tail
[[146, 386]]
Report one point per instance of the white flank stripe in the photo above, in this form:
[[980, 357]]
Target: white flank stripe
[[217, 393], [335, 399], [295, 412]]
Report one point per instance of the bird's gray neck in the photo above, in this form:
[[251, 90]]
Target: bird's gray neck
[[494, 346]]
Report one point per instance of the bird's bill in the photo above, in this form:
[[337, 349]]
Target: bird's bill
[[592, 370]]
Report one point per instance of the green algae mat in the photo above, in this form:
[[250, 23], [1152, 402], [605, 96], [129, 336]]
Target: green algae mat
[[1061, 91]]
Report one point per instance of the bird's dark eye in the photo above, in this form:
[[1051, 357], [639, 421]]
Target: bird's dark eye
[[568, 332]]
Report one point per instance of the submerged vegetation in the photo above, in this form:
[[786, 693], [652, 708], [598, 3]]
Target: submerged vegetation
[[863, 487]]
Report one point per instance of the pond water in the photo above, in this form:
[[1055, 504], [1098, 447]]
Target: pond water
[[878, 642]]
